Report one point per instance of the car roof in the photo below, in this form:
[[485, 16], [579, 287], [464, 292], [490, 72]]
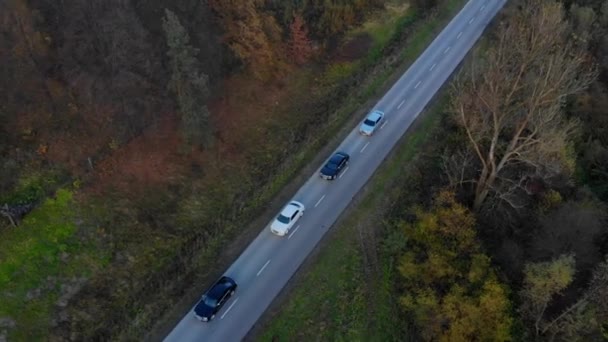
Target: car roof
[[290, 209], [218, 289], [375, 114], [225, 279], [337, 157]]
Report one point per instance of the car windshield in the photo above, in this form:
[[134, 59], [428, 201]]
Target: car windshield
[[209, 301], [283, 219], [369, 122]]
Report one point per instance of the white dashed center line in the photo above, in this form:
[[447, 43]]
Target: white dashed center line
[[417, 84], [364, 147], [384, 124], [433, 67], [472, 20], [321, 199], [401, 104], [294, 231], [447, 49], [230, 307], [343, 172], [459, 35], [263, 267]]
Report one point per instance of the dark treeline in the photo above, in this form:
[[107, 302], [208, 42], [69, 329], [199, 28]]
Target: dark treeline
[[527, 155], [101, 69]]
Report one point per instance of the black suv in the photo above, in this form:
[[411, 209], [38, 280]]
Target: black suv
[[334, 165], [213, 300]]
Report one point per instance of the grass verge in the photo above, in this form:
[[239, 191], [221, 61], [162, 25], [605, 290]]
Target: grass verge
[[38, 256]]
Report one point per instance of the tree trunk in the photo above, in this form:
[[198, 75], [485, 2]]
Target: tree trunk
[[40, 70], [483, 189]]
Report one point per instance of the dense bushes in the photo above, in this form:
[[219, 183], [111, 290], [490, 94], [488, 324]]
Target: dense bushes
[[543, 236]]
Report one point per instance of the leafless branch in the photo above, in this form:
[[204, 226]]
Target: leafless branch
[[457, 167], [509, 101]]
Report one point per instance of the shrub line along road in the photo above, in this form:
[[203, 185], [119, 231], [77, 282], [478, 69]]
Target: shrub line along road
[[270, 261]]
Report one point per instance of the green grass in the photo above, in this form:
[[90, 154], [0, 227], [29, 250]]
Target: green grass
[[386, 24], [419, 40], [32, 252], [329, 305], [32, 187], [383, 28], [338, 72]]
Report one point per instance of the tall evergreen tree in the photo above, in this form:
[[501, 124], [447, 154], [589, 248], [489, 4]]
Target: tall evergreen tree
[[189, 84]]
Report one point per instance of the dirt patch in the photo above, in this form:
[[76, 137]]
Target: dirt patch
[[353, 49], [153, 158], [244, 104], [66, 147], [72, 151], [149, 159]]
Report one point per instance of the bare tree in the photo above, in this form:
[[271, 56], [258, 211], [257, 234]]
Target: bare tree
[[509, 101], [457, 166]]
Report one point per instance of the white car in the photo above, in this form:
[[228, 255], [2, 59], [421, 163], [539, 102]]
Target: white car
[[371, 122], [287, 218]]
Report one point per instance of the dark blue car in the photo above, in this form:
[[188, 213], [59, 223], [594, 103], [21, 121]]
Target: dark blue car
[[335, 165], [213, 300]]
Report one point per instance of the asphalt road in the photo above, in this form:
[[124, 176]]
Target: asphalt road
[[270, 261]]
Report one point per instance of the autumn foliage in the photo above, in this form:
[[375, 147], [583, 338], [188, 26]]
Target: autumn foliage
[[300, 48], [449, 287], [252, 34]]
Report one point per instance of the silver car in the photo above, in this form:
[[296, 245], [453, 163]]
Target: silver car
[[287, 218], [371, 122]]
